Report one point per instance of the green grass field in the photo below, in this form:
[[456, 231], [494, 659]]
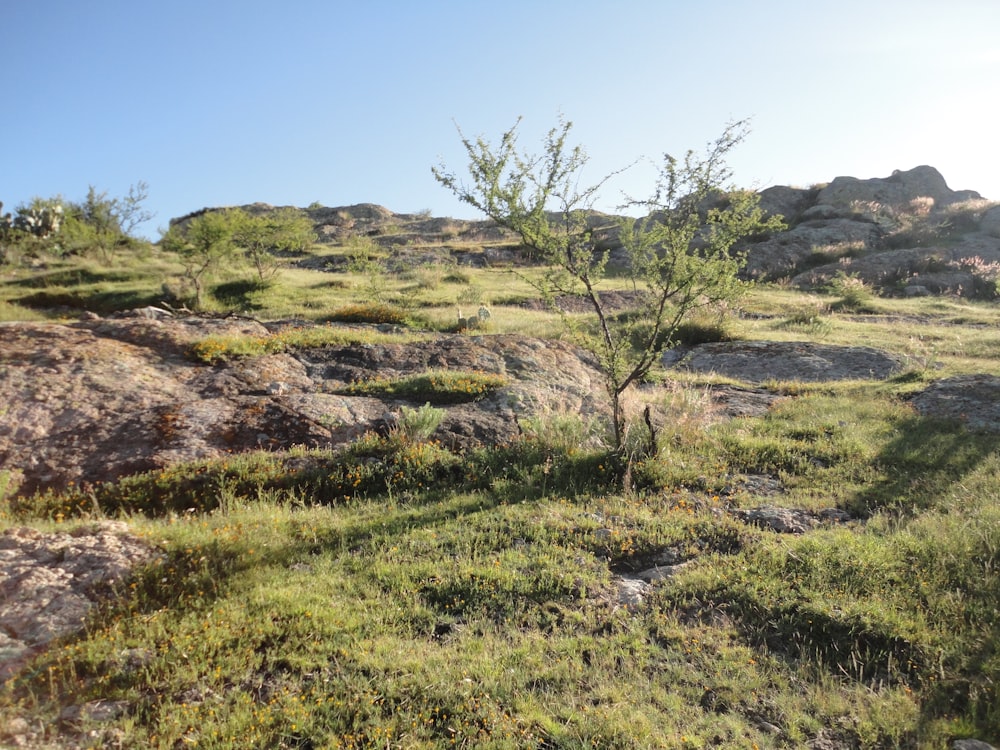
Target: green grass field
[[395, 594]]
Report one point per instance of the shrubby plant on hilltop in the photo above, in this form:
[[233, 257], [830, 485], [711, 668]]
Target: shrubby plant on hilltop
[[223, 240], [98, 225]]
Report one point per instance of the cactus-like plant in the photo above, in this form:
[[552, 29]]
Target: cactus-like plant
[[39, 220], [5, 222]]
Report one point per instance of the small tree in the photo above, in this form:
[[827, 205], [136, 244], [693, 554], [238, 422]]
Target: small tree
[[223, 239], [261, 235], [105, 224], [681, 255], [204, 245]]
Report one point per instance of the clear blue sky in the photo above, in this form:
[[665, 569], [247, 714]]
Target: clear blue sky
[[219, 102]]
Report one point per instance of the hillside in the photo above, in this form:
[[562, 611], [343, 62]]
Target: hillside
[[371, 500], [906, 234]]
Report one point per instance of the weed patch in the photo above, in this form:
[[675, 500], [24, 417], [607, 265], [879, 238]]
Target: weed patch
[[369, 312], [441, 387], [215, 349]]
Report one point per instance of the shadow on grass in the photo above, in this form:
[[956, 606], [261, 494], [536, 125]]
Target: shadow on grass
[[920, 464], [239, 294], [72, 277], [197, 576], [93, 301], [409, 483]]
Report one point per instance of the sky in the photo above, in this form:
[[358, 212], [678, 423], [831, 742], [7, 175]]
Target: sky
[[224, 102]]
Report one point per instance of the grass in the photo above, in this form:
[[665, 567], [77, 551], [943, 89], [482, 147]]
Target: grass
[[77, 284], [441, 387], [395, 593], [286, 615], [214, 349], [11, 312]]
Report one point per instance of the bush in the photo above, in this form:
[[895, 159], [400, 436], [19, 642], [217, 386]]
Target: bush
[[855, 295], [420, 423]]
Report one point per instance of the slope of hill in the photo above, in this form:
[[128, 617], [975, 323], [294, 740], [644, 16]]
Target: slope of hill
[[342, 518]]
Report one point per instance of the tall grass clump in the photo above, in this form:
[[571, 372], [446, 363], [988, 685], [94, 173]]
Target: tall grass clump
[[564, 432], [418, 424], [853, 294], [370, 312]]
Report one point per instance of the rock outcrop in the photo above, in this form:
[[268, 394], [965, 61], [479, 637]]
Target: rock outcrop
[[97, 399], [762, 361], [49, 583], [898, 191], [990, 223], [895, 233], [905, 230], [972, 399]]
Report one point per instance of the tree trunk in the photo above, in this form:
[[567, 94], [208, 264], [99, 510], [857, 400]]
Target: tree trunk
[[618, 417], [196, 280]]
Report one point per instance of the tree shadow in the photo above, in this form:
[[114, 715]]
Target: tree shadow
[[239, 294], [917, 468], [922, 469]]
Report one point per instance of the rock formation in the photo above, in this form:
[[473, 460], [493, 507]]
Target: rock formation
[[50, 582], [972, 399], [97, 399], [895, 233], [761, 361]]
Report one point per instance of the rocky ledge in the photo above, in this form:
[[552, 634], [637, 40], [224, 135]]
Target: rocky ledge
[[50, 582], [94, 400]]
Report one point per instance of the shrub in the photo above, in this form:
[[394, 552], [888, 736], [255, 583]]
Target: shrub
[[855, 295], [104, 224], [418, 424], [471, 295]]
